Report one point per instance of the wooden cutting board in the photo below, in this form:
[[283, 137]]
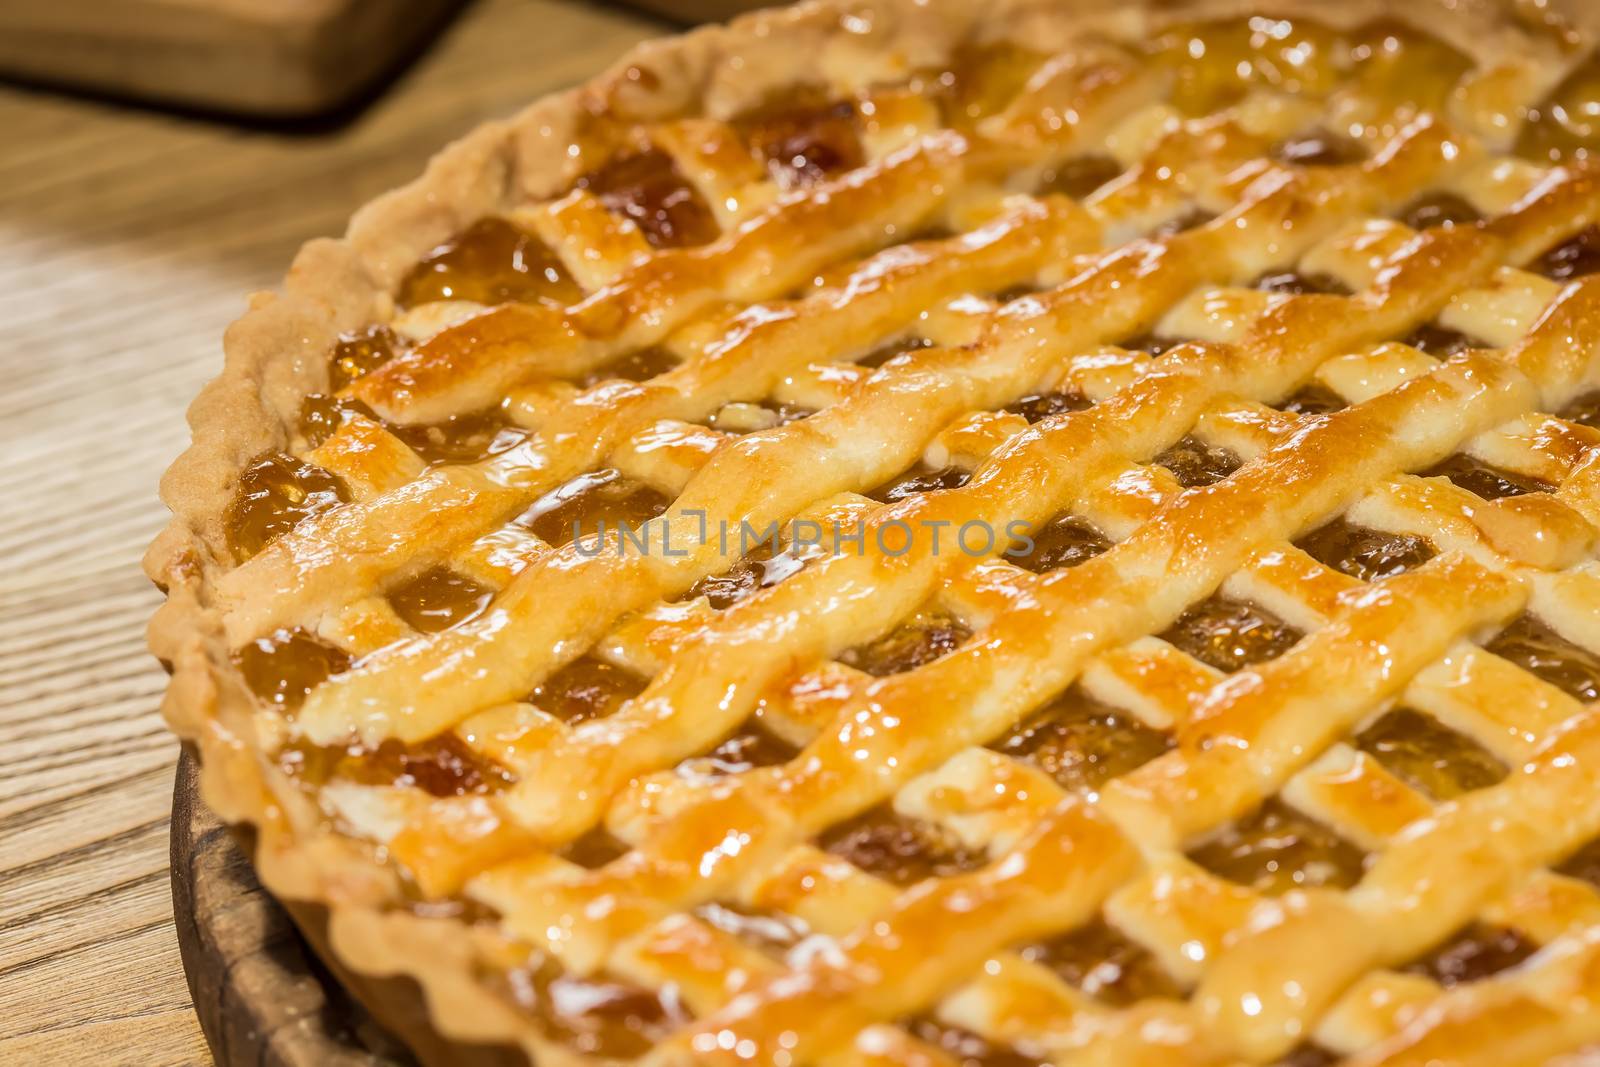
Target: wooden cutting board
[[263, 997], [264, 58]]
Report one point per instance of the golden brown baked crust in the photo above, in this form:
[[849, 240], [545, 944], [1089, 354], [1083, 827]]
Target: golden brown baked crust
[[1068, 855]]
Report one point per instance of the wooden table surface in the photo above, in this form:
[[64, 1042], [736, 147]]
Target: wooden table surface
[[128, 241]]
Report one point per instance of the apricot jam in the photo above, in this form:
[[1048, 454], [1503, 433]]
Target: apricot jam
[[1104, 963], [1565, 126], [1418, 749], [582, 505], [596, 1016], [752, 746], [1365, 553], [1082, 743], [1532, 645], [803, 139], [1216, 63], [1476, 476], [920, 479], [442, 766], [898, 848], [1439, 209], [965, 1048], [1230, 634], [1477, 952], [647, 188], [286, 665], [1575, 257], [1277, 849], [1195, 463], [490, 262], [587, 688], [1036, 407], [908, 646], [438, 599], [1064, 541], [358, 354], [276, 493]]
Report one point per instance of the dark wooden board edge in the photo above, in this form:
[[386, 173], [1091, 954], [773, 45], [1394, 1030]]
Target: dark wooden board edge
[[266, 61], [266, 988], [262, 995]]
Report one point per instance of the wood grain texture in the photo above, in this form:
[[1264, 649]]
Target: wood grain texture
[[127, 243], [258, 57]]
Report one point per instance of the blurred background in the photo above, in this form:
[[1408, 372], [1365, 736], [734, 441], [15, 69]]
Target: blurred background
[[130, 234]]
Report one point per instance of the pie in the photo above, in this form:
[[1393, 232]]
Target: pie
[[1247, 357]]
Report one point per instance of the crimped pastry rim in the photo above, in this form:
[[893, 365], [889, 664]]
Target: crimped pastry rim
[[275, 354]]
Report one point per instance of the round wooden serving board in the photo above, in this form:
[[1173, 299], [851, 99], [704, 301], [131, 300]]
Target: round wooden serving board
[[263, 996]]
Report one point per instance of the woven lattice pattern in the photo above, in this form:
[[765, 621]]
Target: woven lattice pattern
[[1277, 744]]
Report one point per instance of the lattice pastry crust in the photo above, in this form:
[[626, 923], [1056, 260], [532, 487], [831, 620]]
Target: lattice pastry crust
[[1276, 326]]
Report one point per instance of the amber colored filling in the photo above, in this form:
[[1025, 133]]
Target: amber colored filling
[[587, 688], [1439, 209], [1230, 634], [1080, 176], [1215, 63], [802, 140], [1082, 743], [582, 506], [596, 1016], [1585, 410], [1478, 477], [438, 598], [282, 668], [1195, 463], [1314, 399], [884, 353], [1538, 649], [1565, 126], [1365, 553], [753, 746], [1036, 407], [275, 494], [766, 931], [462, 438], [647, 188], [1308, 1056], [1404, 70], [491, 262], [1064, 541], [1099, 960], [594, 849], [981, 80], [359, 354], [1153, 345], [1584, 864], [1298, 284], [1475, 953], [322, 415], [443, 766], [908, 646], [898, 848], [1441, 343], [1278, 849], [1438, 761], [1319, 148], [965, 1048], [920, 479], [1188, 220], [759, 569], [637, 366], [1573, 258]]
